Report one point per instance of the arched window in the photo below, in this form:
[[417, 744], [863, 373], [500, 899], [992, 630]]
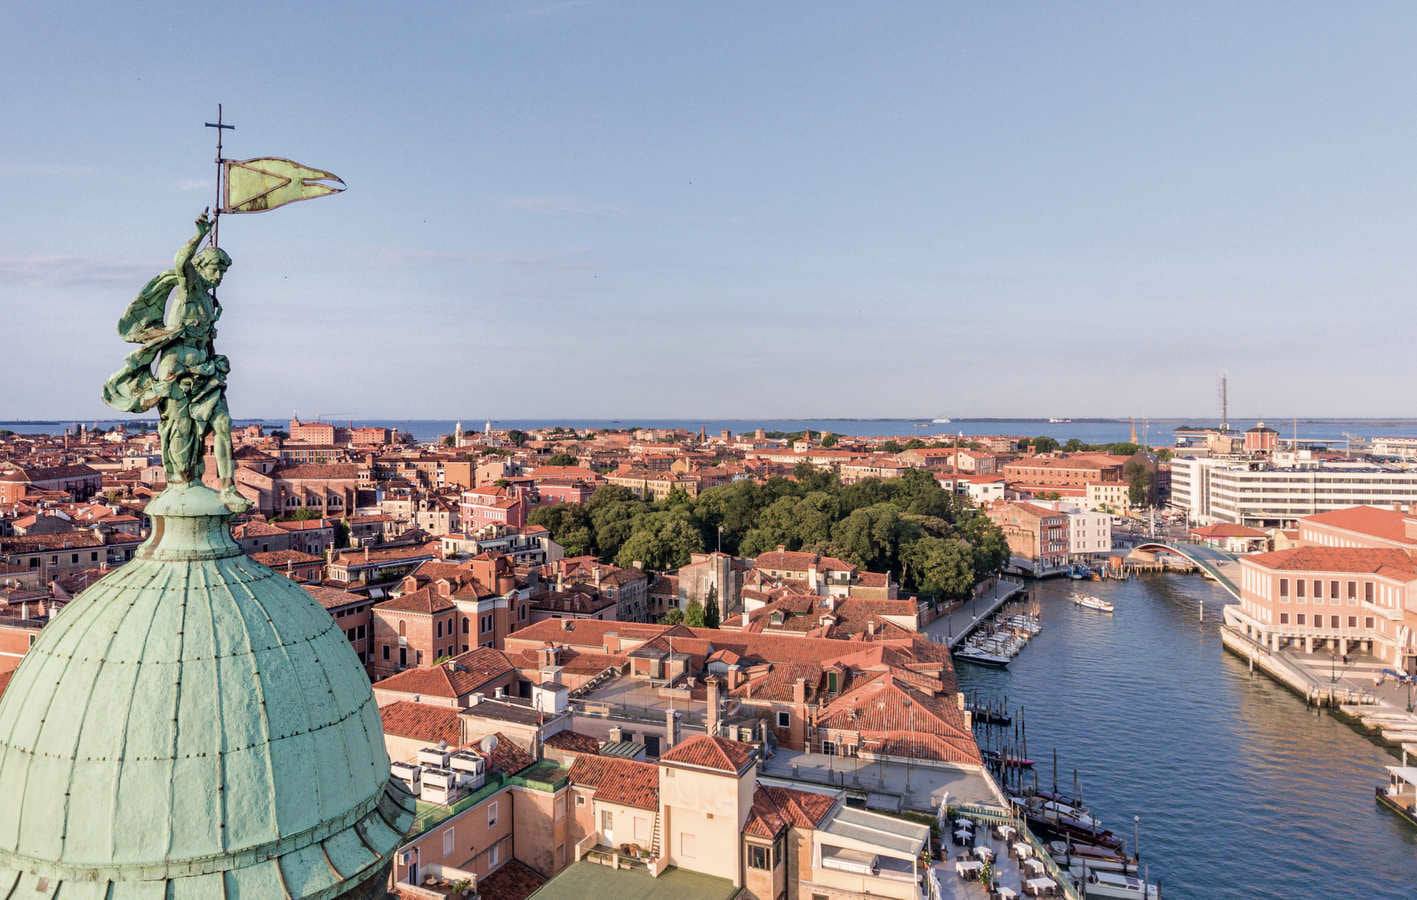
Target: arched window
[[403, 629], [464, 624]]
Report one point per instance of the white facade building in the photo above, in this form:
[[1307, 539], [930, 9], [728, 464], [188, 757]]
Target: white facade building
[[1089, 531], [1276, 495]]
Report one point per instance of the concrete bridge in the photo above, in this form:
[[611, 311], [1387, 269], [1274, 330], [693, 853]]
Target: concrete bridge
[[1218, 564]]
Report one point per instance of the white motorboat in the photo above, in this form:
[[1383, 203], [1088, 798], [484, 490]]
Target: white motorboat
[[1073, 812], [1024, 623], [1115, 884], [1077, 864], [941, 420], [981, 657], [1090, 602]]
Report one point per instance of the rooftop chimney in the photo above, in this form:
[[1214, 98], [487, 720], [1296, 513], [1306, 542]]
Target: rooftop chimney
[[671, 729], [711, 686], [799, 691]]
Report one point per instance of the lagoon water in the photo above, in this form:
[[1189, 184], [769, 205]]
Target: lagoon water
[[1243, 792]]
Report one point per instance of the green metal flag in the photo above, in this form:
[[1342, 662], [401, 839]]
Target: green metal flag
[[256, 185]]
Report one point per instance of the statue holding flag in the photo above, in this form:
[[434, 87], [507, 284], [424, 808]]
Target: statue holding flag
[[173, 320]]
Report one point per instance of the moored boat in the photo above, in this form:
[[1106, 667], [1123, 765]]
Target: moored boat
[[981, 657], [1115, 884], [1010, 760], [1400, 793]]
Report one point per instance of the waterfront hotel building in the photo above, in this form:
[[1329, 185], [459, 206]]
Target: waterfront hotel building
[[1275, 494], [1349, 584]]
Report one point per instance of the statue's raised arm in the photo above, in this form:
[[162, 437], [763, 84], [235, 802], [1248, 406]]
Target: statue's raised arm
[[189, 249]]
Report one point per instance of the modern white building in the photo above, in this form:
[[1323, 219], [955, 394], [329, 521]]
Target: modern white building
[[1089, 531], [1277, 493]]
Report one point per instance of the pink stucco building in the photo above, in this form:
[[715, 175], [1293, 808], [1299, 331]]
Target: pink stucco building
[[1350, 583]]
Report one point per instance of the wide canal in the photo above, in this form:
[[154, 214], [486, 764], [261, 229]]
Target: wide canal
[[1242, 791]]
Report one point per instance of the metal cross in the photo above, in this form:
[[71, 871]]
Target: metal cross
[[216, 210]]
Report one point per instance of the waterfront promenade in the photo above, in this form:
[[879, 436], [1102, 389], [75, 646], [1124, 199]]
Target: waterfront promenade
[[955, 625]]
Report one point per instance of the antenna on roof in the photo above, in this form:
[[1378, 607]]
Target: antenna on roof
[[1224, 401]]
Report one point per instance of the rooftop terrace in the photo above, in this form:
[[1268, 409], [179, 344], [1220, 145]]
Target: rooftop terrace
[[588, 879]]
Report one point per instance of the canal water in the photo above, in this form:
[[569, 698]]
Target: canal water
[[1242, 791]]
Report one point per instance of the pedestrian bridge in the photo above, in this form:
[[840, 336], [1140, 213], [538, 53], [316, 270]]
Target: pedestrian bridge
[[1218, 564]]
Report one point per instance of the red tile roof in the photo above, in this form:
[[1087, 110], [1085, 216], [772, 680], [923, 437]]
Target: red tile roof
[[711, 752], [890, 708], [460, 676], [800, 561], [1387, 524], [1390, 562], [776, 808], [508, 757], [514, 880], [424, 600], [573, 742], [626, 782], [333, 598], [423, 722], [1226, 529]]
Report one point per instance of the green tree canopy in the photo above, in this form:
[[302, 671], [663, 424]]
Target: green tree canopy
[[882, 525], [661, 540], [694, 614], [938, 567], [562, 459], [711, 619]]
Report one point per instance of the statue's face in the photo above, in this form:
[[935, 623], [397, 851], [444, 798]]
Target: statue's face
[[212, 264], [212, 269]]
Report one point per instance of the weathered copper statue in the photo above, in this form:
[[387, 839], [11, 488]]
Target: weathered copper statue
[[188, 383]]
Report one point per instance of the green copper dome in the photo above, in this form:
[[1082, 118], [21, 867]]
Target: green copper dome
[[194, 725]]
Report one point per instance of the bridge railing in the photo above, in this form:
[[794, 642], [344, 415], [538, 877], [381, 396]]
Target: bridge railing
[[1202, 556]]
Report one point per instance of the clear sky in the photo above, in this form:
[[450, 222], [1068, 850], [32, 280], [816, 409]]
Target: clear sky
[[597, 208]]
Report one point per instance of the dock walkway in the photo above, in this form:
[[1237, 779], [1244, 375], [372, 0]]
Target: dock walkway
[[953, 627]]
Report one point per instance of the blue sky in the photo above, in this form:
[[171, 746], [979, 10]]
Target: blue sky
[[595, 208]]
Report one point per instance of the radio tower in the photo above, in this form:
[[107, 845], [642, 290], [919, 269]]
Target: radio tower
[[1224, 402]]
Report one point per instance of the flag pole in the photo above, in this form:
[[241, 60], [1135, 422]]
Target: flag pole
[[216, 209]]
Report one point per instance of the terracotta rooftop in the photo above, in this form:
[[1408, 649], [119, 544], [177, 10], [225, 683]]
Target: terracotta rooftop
[[460, 676], [508, 757], [1226, 530], [423, 722], [626, 782], [333, 598], [1386, 524], [573, 741], [776, 808], [710, 752], [800, 561], [513, 880], [1390, 562], [424, 600]]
